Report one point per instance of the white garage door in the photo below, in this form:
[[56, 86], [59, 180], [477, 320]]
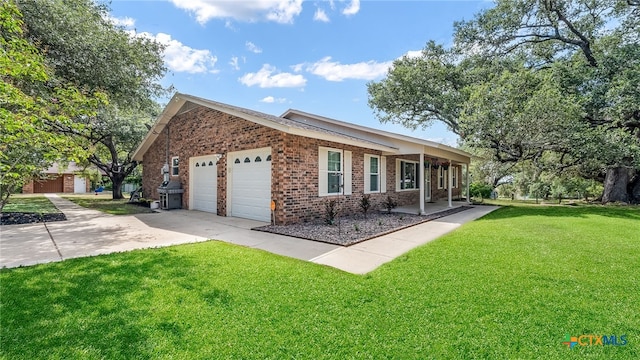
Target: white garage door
[[251, 184], [204, 183]]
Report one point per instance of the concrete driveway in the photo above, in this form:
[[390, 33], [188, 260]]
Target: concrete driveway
[[89, 232]]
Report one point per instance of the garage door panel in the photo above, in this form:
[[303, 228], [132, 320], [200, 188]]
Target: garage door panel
[[251, 186], [204, 175]]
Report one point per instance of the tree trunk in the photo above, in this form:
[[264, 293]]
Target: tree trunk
[[616, 182], [117, 181], [634, 188]]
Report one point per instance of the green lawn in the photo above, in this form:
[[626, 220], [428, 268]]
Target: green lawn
[[107, 205], [32, 203], [507, 286]]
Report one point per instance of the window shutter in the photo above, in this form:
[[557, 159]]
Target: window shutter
[[323, 160], [383, 174], [347, 171], [367, 173]]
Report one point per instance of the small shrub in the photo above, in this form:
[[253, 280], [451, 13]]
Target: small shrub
[[380, 223], [331, 211], [365, 204], [389, 204], [480, 190], [356, 227]]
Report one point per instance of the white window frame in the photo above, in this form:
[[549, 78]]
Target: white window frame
[[399, 172], [175, 166], [442, 178], [368, 174], [323, 171]]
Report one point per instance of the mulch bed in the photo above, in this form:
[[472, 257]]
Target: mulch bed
[[354, 229], [11, 218]]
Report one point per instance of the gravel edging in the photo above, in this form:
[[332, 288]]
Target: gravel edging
[[354, 229], [12, 218]]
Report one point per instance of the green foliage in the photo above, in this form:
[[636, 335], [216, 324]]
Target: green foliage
[[481, 190], [551, 85], [513, 283], [85, 48], [31, 104]]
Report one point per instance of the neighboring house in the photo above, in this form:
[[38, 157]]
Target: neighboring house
[[234, 162], [60, 179]]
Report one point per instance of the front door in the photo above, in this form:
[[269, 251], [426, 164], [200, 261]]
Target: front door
[[427, 183]]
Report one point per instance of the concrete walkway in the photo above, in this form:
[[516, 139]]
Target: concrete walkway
[[89, 232]]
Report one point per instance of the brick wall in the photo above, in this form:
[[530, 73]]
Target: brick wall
[[294, 179], [68, 183], [200, 132], [27, 188]]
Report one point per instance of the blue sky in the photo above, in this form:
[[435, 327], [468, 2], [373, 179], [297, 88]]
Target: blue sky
[[272, 55]]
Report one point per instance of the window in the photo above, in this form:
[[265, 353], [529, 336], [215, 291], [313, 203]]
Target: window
[[374, 174], [334, 171], [454, 177], [175, 171], [408, 175], [442, 178]]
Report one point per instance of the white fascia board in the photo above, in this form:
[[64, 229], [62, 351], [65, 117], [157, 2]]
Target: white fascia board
[[342, 140], [388, 134]]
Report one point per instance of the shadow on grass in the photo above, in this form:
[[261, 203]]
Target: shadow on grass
[[86, 309], [559, 211]]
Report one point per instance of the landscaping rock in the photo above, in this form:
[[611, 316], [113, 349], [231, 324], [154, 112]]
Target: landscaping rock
[[354, 229], [27, 218]]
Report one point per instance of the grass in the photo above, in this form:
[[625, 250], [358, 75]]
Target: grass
[[507, 286], [106, 204], [31, 203]]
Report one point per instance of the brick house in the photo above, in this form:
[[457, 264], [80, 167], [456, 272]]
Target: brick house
[[59, 179], [233, 161]]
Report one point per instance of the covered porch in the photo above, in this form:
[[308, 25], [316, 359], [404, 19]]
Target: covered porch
[[430, 207], [441, 178]]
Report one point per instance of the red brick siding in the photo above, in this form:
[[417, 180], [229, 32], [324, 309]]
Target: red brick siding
[[68, 186], [203, 132], [294, 179], [27, 188]]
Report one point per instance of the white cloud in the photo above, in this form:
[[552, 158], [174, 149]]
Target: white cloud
[[252, 47], [353, 8], [280, 11], [125, 22], [234, 63], [334, 71], [320, 15], [413, 54], [269, 77], [182, 58], [271, 100]]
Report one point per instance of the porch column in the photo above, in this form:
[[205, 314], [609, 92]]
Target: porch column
[[421, 183], [450, 182], [467, 181]]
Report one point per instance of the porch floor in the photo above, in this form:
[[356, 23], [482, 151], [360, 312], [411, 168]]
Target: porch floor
[[430, 207]]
